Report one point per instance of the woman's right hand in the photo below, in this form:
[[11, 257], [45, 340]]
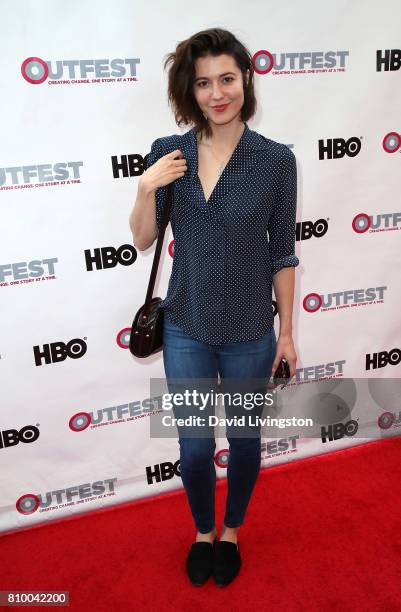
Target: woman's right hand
[[166, 170]]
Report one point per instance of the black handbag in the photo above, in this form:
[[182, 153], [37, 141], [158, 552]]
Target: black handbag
[[146, 335]]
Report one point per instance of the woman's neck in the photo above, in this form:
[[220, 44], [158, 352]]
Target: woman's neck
[[223, 136]]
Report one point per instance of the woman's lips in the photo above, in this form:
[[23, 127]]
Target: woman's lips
[[221, 108]]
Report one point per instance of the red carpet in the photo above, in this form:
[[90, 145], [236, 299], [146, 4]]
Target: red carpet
[[322, 534]]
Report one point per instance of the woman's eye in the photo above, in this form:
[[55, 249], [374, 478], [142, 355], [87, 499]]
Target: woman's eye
[[229, 78]]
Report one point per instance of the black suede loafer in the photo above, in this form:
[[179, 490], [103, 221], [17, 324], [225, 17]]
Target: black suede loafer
[[226, 562], [199, 563]]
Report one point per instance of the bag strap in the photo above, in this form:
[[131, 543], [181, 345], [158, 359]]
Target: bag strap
[[159, 244]]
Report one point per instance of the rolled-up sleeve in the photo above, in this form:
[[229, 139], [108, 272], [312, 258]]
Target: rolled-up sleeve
[[156, 152], [282, 221]]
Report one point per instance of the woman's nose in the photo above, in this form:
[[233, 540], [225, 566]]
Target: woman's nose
[[216, 91]]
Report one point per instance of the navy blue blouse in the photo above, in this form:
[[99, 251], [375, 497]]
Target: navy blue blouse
[[220, 288]]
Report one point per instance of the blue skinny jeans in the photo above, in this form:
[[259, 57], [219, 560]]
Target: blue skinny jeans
[[187, 358]]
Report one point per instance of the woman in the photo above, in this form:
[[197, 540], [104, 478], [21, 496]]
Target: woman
[[232, 186]]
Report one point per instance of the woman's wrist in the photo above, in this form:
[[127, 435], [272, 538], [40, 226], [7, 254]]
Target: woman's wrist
[[285, 335], [145, 187]]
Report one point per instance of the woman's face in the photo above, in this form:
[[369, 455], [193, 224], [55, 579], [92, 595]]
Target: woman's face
[[218, 82]]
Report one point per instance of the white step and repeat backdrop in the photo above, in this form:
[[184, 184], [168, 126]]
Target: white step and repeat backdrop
[[83, 95]]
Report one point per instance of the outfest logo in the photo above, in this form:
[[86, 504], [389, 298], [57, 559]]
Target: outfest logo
[[23, 272], [379, 222], [61, 498], [388, 420], [392, 142], [36, 70], [296, 62], [40, 175], [113, 415], [349, 298]]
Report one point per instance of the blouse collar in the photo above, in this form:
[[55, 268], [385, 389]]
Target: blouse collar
[[242, 160]]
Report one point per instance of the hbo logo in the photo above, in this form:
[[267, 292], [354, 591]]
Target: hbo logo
[[11, 437], [379, 360], [338, 147], [109, 257], [307, 229], [59, 351], [339, 430], [163, 471]]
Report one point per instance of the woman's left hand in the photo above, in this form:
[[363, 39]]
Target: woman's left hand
[[285, 349]]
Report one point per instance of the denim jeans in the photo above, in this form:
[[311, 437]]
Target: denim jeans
[[186, 357]]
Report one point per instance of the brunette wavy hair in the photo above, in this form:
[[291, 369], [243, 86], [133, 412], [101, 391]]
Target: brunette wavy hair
[[181, 75]]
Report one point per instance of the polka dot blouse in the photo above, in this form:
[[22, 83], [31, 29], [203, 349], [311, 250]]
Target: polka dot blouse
[[227, 248]]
